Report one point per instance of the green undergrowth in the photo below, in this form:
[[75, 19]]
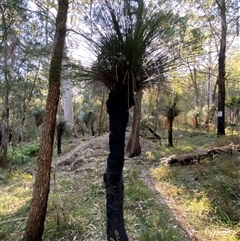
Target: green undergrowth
[[76, 207], [206, 194], [15, 194], [22, 154]]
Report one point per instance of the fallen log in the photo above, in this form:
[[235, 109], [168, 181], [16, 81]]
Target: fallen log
[[193, 157]]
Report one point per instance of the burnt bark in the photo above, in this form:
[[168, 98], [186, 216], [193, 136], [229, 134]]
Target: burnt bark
[[155, 135], [170, 130], [59, 130], [118, 105], [221, 70], [35, 223]]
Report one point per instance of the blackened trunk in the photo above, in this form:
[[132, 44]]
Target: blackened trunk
[[170, 127], [92, 129], [221, 71], [59, 140], [113, 178], [118, 105]]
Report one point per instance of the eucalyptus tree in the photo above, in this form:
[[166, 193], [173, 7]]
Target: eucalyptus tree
[[35, 223], [169, 30], [99, 96], [233, 103], [24, 56], [67, 100], [13, 16], [128, 57], [221, 68], [225, 11], [233, 68], [221, 24], [191, 55]]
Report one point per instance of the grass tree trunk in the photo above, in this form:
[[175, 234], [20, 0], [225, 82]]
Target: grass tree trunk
[[35, 223], [60, 127], [134, 147], [170, 130], [118, 117]]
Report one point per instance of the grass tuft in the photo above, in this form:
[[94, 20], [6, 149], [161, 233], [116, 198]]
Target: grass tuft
[[206, 193]]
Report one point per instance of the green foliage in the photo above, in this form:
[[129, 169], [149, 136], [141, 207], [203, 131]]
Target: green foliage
[[194, 41], [23, 154], [233, 102], [206, 194], [128, 49], [152, 221], [15, 195], [76, 207], [171, 109]]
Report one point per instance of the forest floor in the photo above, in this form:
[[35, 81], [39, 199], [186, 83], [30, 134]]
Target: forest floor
[[78, 159], [153, 175], [171, 203], [83, 155]]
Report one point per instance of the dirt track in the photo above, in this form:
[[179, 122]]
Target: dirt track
[[82, 156]]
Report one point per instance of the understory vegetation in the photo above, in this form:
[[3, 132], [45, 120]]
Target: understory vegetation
[[170, 203]]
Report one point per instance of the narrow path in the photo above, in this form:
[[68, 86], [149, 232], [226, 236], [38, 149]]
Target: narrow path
[[94, 147], [178, 218]]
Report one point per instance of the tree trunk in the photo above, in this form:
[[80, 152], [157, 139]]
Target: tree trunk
[[5, 116], [118, 104], [221, 70], [5, 140], [59, 129], [77, 122], [170, 127], [101, 121], [35, 223], [196, 88], [67, 102], [133, 147], [196, 120]]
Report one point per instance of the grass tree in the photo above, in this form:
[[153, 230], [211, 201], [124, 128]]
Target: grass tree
[[171, 111], [128, 57]]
